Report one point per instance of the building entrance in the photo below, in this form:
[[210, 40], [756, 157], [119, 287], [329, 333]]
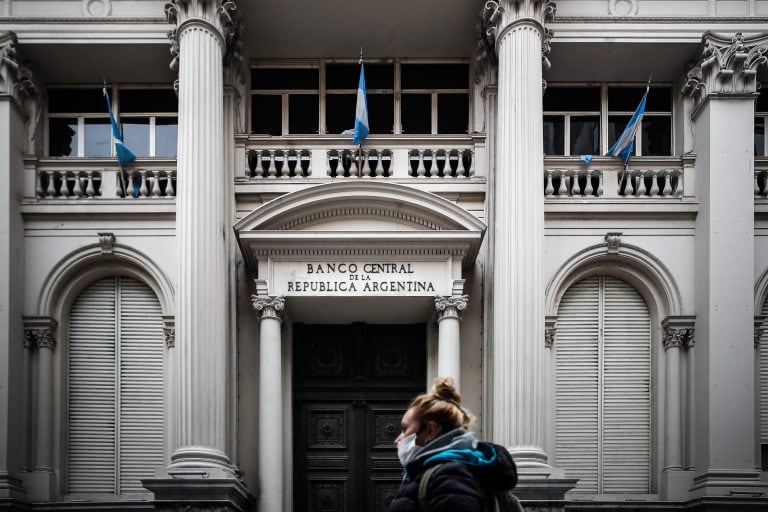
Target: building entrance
[[351, 385]]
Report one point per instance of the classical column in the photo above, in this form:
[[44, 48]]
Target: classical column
[[518, 277], [17, 92], [674, 340], [203, 28], [449, 308], [723, 86], [271, 491]]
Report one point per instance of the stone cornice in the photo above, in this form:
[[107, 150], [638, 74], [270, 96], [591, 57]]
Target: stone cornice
[[16, 79], [450, 306], [727, 67], [268, 306]]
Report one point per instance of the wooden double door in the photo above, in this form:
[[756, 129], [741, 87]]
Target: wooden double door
[[351, 386]]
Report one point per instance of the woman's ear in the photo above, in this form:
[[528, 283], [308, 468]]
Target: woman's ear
[[432, 430]]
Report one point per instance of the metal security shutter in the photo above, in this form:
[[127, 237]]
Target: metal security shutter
[[626, 390], [91, 444], [577, 384], [115, 388], [141, 385], [603, 421], [764, 381]]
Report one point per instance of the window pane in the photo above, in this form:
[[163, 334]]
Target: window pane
[[452, 113], [136, 134], [626, 99], [62, 137], [381, 113], [554, 135], [585, 135], [347, 76], [97, 137], [434, 76], [76, 101], [572, 99], [417, 113], [657, 135], [267, 114], [761, 105], [760, 136], [166, 132], [148, 100], [616, 125], [286, 78], [304, 113], [340, 112]]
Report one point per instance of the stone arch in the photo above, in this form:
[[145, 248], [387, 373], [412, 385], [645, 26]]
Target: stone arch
[[761, 291], [87, 264]]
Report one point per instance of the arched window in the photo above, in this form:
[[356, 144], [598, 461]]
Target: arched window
[[603, 387], [763, 347], [115, 392]]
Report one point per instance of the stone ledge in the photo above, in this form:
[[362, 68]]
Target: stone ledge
[[200, 495]]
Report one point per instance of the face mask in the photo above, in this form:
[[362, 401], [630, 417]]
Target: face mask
[[407, 449]]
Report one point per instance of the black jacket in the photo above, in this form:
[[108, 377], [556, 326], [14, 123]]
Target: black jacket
[[468, 469]]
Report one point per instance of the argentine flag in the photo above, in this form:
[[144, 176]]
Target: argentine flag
[[361, 111], [626, 141], [123, 154]]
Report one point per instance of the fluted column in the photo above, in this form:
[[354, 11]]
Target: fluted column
[[202, 31], [518, 281], [271, 489], [674, 340], [449, 308]]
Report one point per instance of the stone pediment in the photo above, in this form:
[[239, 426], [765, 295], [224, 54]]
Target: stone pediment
[[359, 219]]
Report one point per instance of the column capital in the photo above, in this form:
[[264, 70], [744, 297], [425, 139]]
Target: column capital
[[550, 330], [16, 79], [678, 331], [220, 17], [270, 306], [450, 306], [499, 17], [169, 330], [727, 67], [39, 332]]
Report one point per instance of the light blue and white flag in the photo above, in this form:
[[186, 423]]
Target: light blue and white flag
[[123, 154], [626, 141], [361, 111]]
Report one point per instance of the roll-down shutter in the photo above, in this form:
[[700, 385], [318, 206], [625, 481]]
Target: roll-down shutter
[[603, 418], [764, 381], [116, 388]]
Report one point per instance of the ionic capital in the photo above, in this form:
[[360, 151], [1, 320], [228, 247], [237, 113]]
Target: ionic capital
[[219, 17], [728, 66], [450, 306], [268, 306], [16, 79], [39, 332], [499, 17]]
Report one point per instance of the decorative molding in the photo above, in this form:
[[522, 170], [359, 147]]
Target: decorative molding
[[16, 78], [678, 331], [39, 332], [169, 330], [614, 242], [550, 331], [688, 20], [269, 306], [728, 67], [450, 306], [97, 8], [761, 325], [107, 242], [622, 7]]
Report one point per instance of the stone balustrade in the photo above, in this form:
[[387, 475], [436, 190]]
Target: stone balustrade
[[761, 177]]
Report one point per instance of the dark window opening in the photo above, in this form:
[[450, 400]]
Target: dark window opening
[[434, 76], [657, 136], [585, 135], [347, 76], [285, 78], [148, 100], [340, 112], [417, 113], [303, 113], [580, 99], [267, 114], [626, 99], [62, 137], [381, 113], [554, 135], [76, 101], [452, 113]]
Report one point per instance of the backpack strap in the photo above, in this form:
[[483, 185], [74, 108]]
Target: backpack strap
[[423, 486]]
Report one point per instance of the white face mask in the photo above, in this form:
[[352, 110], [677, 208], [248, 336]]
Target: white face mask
[[407, 450]]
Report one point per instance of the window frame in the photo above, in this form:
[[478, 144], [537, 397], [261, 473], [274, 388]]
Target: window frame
[[396, 91]]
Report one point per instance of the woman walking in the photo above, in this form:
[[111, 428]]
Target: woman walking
[[446, 468]]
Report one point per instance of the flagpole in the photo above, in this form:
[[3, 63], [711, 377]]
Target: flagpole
[[360, 146], [123, 183]]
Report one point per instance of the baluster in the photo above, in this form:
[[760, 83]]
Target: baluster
[[293, 158], [562, 189], [471, 169], [306, 157], [90, 189], [143, 190], [446, 172], [654, 184], [156, 184], [39, 184], [50, 190], [421, 171], [433, 170], [569, 182], [549, 189], [757, 184], [460, 168], [328, 167], [640, 189], [600, 183], [119, 192], [379, 165], [366, 167], [765, 183], [258, 169], [588, 190], [272, 163], [169, 190], [77, 190], [64, 185], [666, 180]]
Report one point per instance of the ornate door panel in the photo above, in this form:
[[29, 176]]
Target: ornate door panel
[[352, 384]]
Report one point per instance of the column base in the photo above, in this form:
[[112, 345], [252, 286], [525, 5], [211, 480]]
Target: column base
[[12, 487], [675, 484], [543, 489], [41, 485], [729, 483], [194, 494]]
